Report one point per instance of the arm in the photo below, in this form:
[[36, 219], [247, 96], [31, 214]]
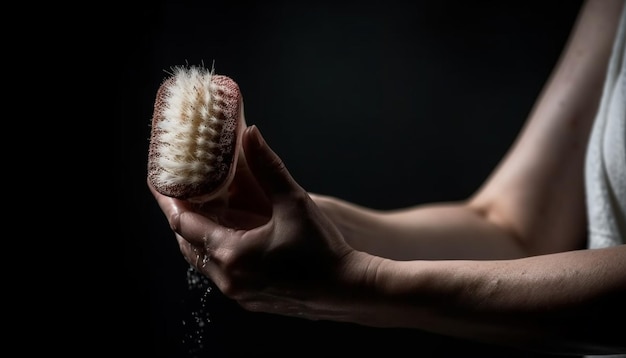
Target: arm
[[560, 300], [297, 262], [556, 303], [534, 201]]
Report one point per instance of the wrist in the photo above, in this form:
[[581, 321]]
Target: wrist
[[372, 282], [360, 271]]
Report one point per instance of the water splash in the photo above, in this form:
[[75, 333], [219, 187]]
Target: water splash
[[196, 326]]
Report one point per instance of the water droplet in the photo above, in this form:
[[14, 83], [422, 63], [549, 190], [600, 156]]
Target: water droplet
[[197, 325]]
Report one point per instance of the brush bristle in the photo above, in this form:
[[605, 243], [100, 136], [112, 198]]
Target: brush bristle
[[190, 128], [194, 132]]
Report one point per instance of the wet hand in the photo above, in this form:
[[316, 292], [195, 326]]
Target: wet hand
[[276, 252]]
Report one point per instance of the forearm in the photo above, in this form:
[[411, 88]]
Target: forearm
[[562, 303], [433, 231]]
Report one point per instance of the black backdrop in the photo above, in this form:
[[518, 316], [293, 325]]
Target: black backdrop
[[384, 103]]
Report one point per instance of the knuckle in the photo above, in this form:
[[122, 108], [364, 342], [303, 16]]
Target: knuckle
[[229, 260], [278, 164]]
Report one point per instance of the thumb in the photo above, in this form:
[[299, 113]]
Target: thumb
[[266, 166]]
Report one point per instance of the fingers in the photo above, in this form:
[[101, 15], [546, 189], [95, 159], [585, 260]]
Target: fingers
[[171, 207], [245, 192], [197, 257], [191, 225], [267, 167]]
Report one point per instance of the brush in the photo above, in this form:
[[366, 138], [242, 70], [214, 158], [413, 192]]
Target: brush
[[195, 135]]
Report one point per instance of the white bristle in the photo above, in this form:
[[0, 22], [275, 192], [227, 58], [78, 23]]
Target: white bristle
[[189, 127]]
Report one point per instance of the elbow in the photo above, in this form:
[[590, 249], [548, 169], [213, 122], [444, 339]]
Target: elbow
[[534, 232]]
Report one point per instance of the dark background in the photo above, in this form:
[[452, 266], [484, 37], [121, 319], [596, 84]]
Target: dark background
[[383, 103]]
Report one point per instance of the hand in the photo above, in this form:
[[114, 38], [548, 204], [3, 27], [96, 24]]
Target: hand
[[293, 262]]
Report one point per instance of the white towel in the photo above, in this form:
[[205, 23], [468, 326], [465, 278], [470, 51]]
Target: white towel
[[605, 167]]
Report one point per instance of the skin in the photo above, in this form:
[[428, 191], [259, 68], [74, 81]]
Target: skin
[[506, 266]]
